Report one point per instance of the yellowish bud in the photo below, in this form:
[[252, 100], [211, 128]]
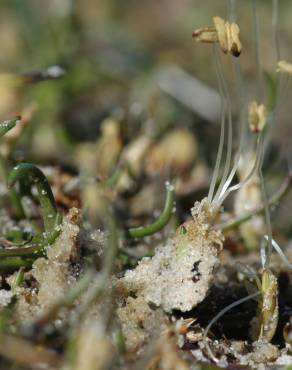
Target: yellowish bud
[[257, 116], [284, 66]]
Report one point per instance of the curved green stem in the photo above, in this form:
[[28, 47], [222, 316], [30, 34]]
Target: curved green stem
[[140, 232], [4, 128], [8, 125], [37, 247], [14, 196], [36, 177], [18, 237]]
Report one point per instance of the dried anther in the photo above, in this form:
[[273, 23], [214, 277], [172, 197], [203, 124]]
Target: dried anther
[[206, 34], [284, 66], [225, 33], [257, 117], [228, 36]]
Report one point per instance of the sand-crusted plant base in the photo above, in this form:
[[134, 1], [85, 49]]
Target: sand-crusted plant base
[[179, 274]]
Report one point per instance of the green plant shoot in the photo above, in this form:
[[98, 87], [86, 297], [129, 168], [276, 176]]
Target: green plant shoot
[[35, 176]]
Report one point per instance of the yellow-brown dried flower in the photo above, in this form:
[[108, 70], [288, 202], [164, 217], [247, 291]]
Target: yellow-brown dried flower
[[225, 33]]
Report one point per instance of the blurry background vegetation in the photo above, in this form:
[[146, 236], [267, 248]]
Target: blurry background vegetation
[[114, 53]]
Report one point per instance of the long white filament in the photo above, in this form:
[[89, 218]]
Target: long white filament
[[242, 131], [229, 134], [221, 313], [275, 22], [222, 132], [238, 82], [231, 175], [257, 49], [278, 250], [253, 171], [232, 10], [267, 217], [248, 272]]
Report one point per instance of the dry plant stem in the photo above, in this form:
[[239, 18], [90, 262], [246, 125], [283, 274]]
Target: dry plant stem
[[66, 301], [140, 232], [101, 280], [148, 354], [221, 313], [282, 191], [25, 353]]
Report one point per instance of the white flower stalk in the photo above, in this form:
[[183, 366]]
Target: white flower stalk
[[257, 120]]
